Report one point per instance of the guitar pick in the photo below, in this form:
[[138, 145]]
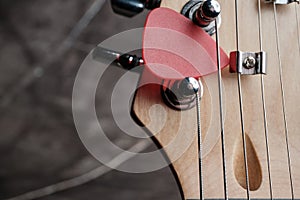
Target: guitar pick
[[174, 47]]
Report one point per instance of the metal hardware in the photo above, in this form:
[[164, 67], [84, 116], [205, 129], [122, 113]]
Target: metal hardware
[[130, 8], [126, 61], [203, 13], [181, 94], [248, 63], [282, 1]]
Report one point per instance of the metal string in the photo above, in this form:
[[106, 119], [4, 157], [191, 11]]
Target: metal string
[[297, 20], [283, 102], [241, 107], [264, 103], [221, 113], [243, 135], [198, 98], [260, 26]]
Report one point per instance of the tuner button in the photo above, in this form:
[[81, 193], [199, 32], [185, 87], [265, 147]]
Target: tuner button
[[152, 4], [131, 8], [129, 62], [128, 8]]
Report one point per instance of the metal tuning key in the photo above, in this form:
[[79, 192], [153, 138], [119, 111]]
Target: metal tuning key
[[282, 1], [203, 13], [181, 94], [247, 63], [130, 8]]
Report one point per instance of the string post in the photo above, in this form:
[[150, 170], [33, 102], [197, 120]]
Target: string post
[[182, 94], [203, 13], [208, 11]]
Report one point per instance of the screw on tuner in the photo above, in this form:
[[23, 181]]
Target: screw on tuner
[[182, 94], [193, 56], [179, 94], [203, 13]]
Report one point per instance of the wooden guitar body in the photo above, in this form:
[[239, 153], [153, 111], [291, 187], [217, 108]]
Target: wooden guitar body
[[182, 125]]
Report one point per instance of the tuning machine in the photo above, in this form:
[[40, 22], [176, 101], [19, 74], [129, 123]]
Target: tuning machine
[[182, 94], [123, 60], [203, 13], [130, 8], [177, 94]]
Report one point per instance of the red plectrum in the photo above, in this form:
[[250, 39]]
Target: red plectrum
[[174, 47]]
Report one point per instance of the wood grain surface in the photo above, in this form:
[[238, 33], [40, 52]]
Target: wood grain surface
[[183, 124]]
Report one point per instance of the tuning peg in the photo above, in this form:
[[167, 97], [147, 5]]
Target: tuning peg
[[131, 8], [181, 95], [126, 61], [203, 13], [208, 11]]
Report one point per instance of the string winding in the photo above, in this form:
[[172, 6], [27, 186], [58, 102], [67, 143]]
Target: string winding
[[200, 145]]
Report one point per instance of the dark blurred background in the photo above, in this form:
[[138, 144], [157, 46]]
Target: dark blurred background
[[39, 59]]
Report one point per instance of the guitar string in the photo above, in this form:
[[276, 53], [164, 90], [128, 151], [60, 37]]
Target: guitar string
[[243, 135], [241, 106], [198, 98], [297, 20], [221, 113], [283, 103], [264, 103]]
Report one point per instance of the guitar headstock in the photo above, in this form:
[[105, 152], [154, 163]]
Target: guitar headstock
[[178, 135]]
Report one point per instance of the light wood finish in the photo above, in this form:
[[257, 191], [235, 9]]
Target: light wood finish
[[183, 124]]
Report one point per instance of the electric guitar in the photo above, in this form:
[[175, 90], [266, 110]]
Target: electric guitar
[[246, 100]]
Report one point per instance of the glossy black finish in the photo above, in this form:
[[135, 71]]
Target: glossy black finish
[[128, 61], [131, 8], [202, 12], [211, 9], [208, 11]]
